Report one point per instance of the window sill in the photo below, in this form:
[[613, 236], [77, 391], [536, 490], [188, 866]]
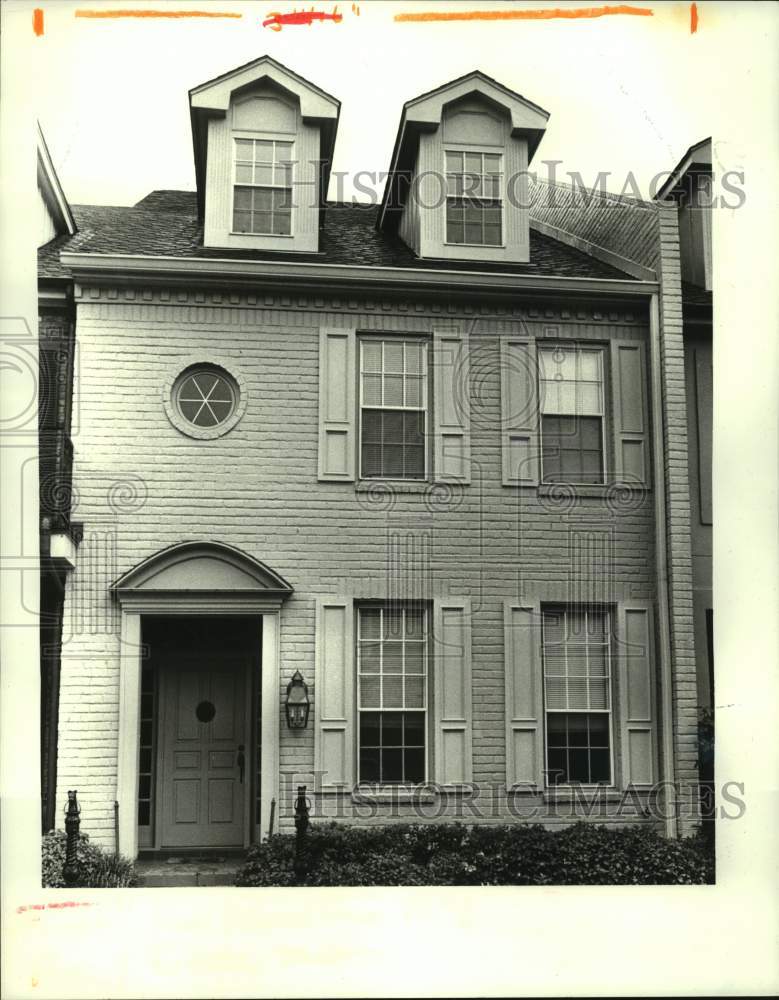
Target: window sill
[[393, 485], [402, 794], [590, 793], [590, 489]]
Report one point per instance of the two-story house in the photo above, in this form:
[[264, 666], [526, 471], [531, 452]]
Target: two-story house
[[426, 455]]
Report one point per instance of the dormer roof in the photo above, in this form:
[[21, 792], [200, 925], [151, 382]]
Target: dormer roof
[[212, 99], [51, 190], [697, 159], [424, 113]]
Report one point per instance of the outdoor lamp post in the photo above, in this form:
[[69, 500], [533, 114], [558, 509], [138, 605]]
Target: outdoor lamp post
[[298, 704]]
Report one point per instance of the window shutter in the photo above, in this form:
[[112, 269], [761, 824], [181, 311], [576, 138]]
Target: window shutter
[[334, 692], [524, 696], [637, 695], [451, 407], [631, 421], [519, 411], [452, 687], [337, 376]]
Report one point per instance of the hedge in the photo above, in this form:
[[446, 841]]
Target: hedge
[[97, 869], [454, 854]]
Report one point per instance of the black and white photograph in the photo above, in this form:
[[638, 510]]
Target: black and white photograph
[[388, 392]]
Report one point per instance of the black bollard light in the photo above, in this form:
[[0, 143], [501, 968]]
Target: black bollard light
[[301, 826], [72, 824]]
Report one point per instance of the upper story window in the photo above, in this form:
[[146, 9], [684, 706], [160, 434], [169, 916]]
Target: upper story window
[[393, 409], [262, 196], [572, 414], [474, 209]]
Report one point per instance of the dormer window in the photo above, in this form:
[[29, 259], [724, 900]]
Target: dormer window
[[262, 197], [473, 199]]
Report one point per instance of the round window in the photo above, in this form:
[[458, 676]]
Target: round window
[[206, 397]]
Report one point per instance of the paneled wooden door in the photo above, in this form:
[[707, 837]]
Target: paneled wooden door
[[204, 753]]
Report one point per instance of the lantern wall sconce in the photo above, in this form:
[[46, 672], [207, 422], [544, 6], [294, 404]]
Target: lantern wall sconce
[[297, 705]]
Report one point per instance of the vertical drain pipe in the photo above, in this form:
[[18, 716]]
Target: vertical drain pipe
[[116, 826], [661, 560]]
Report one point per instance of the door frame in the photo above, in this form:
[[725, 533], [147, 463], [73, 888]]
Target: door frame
[[250, 747], [132, 654]]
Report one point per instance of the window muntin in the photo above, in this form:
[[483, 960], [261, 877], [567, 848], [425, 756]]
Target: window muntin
[[262, 195], [474, 210], [393, 409], [577, 693], [392, 671], [572, 413], [205, 396]]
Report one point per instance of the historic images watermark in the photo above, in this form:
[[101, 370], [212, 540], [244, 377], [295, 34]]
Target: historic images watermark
[[545, 186], [478, 802]]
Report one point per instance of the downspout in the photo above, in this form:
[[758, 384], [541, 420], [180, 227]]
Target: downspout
[[661, 560]]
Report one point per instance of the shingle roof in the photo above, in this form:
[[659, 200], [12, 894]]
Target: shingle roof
[[164, 223]]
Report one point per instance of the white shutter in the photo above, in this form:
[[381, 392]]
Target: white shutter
[[337, 412], [524, 696], [519, 411], [637, 693], [451, 407], [452, 691], [334, 692], [631, 420]]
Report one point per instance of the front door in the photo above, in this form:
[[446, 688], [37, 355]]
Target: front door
[[204, 761]]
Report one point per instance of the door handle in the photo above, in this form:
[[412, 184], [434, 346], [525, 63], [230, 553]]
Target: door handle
[[241, 761]]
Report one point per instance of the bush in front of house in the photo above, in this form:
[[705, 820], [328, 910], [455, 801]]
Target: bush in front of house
[[454, 854], [97, 869]]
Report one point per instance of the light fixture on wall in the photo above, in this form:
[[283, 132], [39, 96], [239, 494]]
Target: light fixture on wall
[[297, 704]]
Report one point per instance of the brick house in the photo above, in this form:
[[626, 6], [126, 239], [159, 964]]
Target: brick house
[[431, 455]]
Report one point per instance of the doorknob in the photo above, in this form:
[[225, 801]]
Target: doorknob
[[240, 761]]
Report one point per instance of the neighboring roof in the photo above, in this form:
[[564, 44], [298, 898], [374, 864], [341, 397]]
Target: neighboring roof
[[51, 189], [165, 223], [424, 112], [697, 158]]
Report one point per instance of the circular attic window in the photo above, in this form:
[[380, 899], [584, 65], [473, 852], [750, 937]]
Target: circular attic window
[[204, 401]]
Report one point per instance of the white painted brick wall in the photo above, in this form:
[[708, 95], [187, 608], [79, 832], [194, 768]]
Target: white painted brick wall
[[256, 488]]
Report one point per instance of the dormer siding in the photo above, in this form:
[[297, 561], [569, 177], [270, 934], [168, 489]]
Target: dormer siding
[[266, 116]]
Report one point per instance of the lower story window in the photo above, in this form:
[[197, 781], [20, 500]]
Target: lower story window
[[577, 693], [392, 655]]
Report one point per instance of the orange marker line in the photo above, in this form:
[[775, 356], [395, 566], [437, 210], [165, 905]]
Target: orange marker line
[[37, 21], [693, 18], [525, 15], [155, 13]]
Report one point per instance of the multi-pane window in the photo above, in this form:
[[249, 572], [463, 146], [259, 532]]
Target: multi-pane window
[[262, 196], [572, 413], [393, 408], [392, 656], [473, 199], [577, 692]]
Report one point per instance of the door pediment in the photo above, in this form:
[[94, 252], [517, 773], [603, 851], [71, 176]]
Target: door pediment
[[199, 568]]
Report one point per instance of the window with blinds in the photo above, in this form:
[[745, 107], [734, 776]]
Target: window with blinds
[[572, 413], [577, 693], [393, 409]]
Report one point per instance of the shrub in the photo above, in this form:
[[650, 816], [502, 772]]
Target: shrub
[[454, 854], [97, 869]]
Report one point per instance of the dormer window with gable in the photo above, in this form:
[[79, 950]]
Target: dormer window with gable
[[263, 139], [457, 187]]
